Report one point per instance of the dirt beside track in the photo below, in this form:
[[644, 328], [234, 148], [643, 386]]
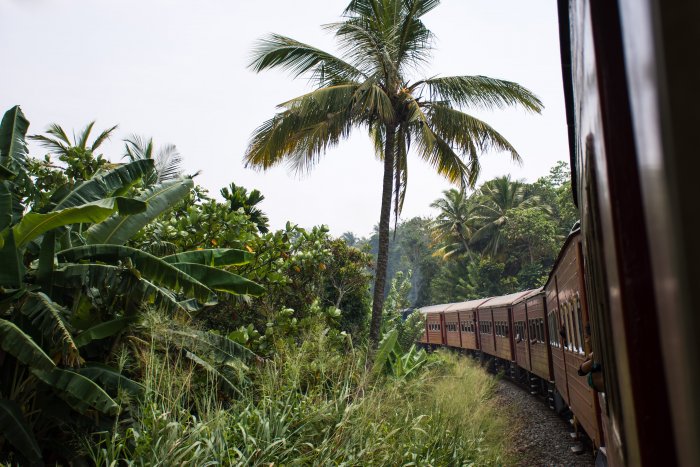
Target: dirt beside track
[[540, 436]]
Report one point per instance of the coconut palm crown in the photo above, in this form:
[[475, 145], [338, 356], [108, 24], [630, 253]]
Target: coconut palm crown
[[454, 225], [371, 86]]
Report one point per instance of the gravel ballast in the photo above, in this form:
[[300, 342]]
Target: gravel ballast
[[541, 436]]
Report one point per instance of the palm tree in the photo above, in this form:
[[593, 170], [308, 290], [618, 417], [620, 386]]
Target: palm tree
[[167, 160], [454, 225], [497, 199], [383, 42], [80, 157]]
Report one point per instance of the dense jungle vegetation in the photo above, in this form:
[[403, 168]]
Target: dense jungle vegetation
[[143, 320], [146, 321]]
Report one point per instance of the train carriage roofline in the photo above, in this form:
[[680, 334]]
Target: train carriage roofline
[[528, 295], [469, 305], [562, 252], [504, 300], [432, 309]]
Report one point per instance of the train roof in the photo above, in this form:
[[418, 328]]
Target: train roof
[[504, 300], [434, 308], [466, 306], [529, 295], [575, 231]]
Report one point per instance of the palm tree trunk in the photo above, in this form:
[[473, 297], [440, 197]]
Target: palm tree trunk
[[383, 250]]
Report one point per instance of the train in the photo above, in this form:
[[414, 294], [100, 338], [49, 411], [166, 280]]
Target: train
[[613, 334]]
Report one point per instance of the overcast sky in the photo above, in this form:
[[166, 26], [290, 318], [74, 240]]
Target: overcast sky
[[176, 70]]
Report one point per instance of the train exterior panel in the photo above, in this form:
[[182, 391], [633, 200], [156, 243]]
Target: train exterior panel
[[565, 291], [485, 324], [538, 343], [520, 336], [495, 314], [557, 350], [469, 329], [434, 328], [452, 332]]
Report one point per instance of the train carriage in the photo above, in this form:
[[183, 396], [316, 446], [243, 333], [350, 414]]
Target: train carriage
[[530, 334], [468, 322], [434, 333], [566, 303], [453, 336], [495, 325]]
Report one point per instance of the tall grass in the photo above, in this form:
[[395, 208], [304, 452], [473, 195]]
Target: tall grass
[[310, 405]]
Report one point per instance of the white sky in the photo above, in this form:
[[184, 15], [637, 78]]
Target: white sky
[[176, 70]]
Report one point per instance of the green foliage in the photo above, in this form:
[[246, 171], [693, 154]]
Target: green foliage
[[312, 404], [61, 308]]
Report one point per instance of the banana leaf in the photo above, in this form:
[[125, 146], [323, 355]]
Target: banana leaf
[[49, 319], [221, 280], [21, 346], [102, 330], [148, 266], [104, 277], [47, 257], [105, 184], [5, 206], [34, 224], [118, 229], [17, 431], [111, 379], [13, 130], [12, 270], [211, 257], [80, 392], [383, 355]]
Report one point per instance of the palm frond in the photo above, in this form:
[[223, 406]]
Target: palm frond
[[480, 92], [51, 144], [279, 51], [432, 148], [168, 163], [102, 137], [57, 131], [300, 134], [468, 134], [84, 135]]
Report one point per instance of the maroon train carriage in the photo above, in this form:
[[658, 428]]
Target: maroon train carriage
[[532, 341], [495, 325], [434, 333], [453, 336], [468, 325], [568, 325]]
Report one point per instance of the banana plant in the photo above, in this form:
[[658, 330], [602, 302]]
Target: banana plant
[[391, 359], [69, 287]]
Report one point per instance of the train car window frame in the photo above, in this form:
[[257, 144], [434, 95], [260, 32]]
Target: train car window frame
[[579, 313]]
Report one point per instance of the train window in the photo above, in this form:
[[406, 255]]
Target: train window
[[541, 329], [572, 321], [575, 325], [553, 332], [506, 329], [576, 338], [569, 328], [579, 313]]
